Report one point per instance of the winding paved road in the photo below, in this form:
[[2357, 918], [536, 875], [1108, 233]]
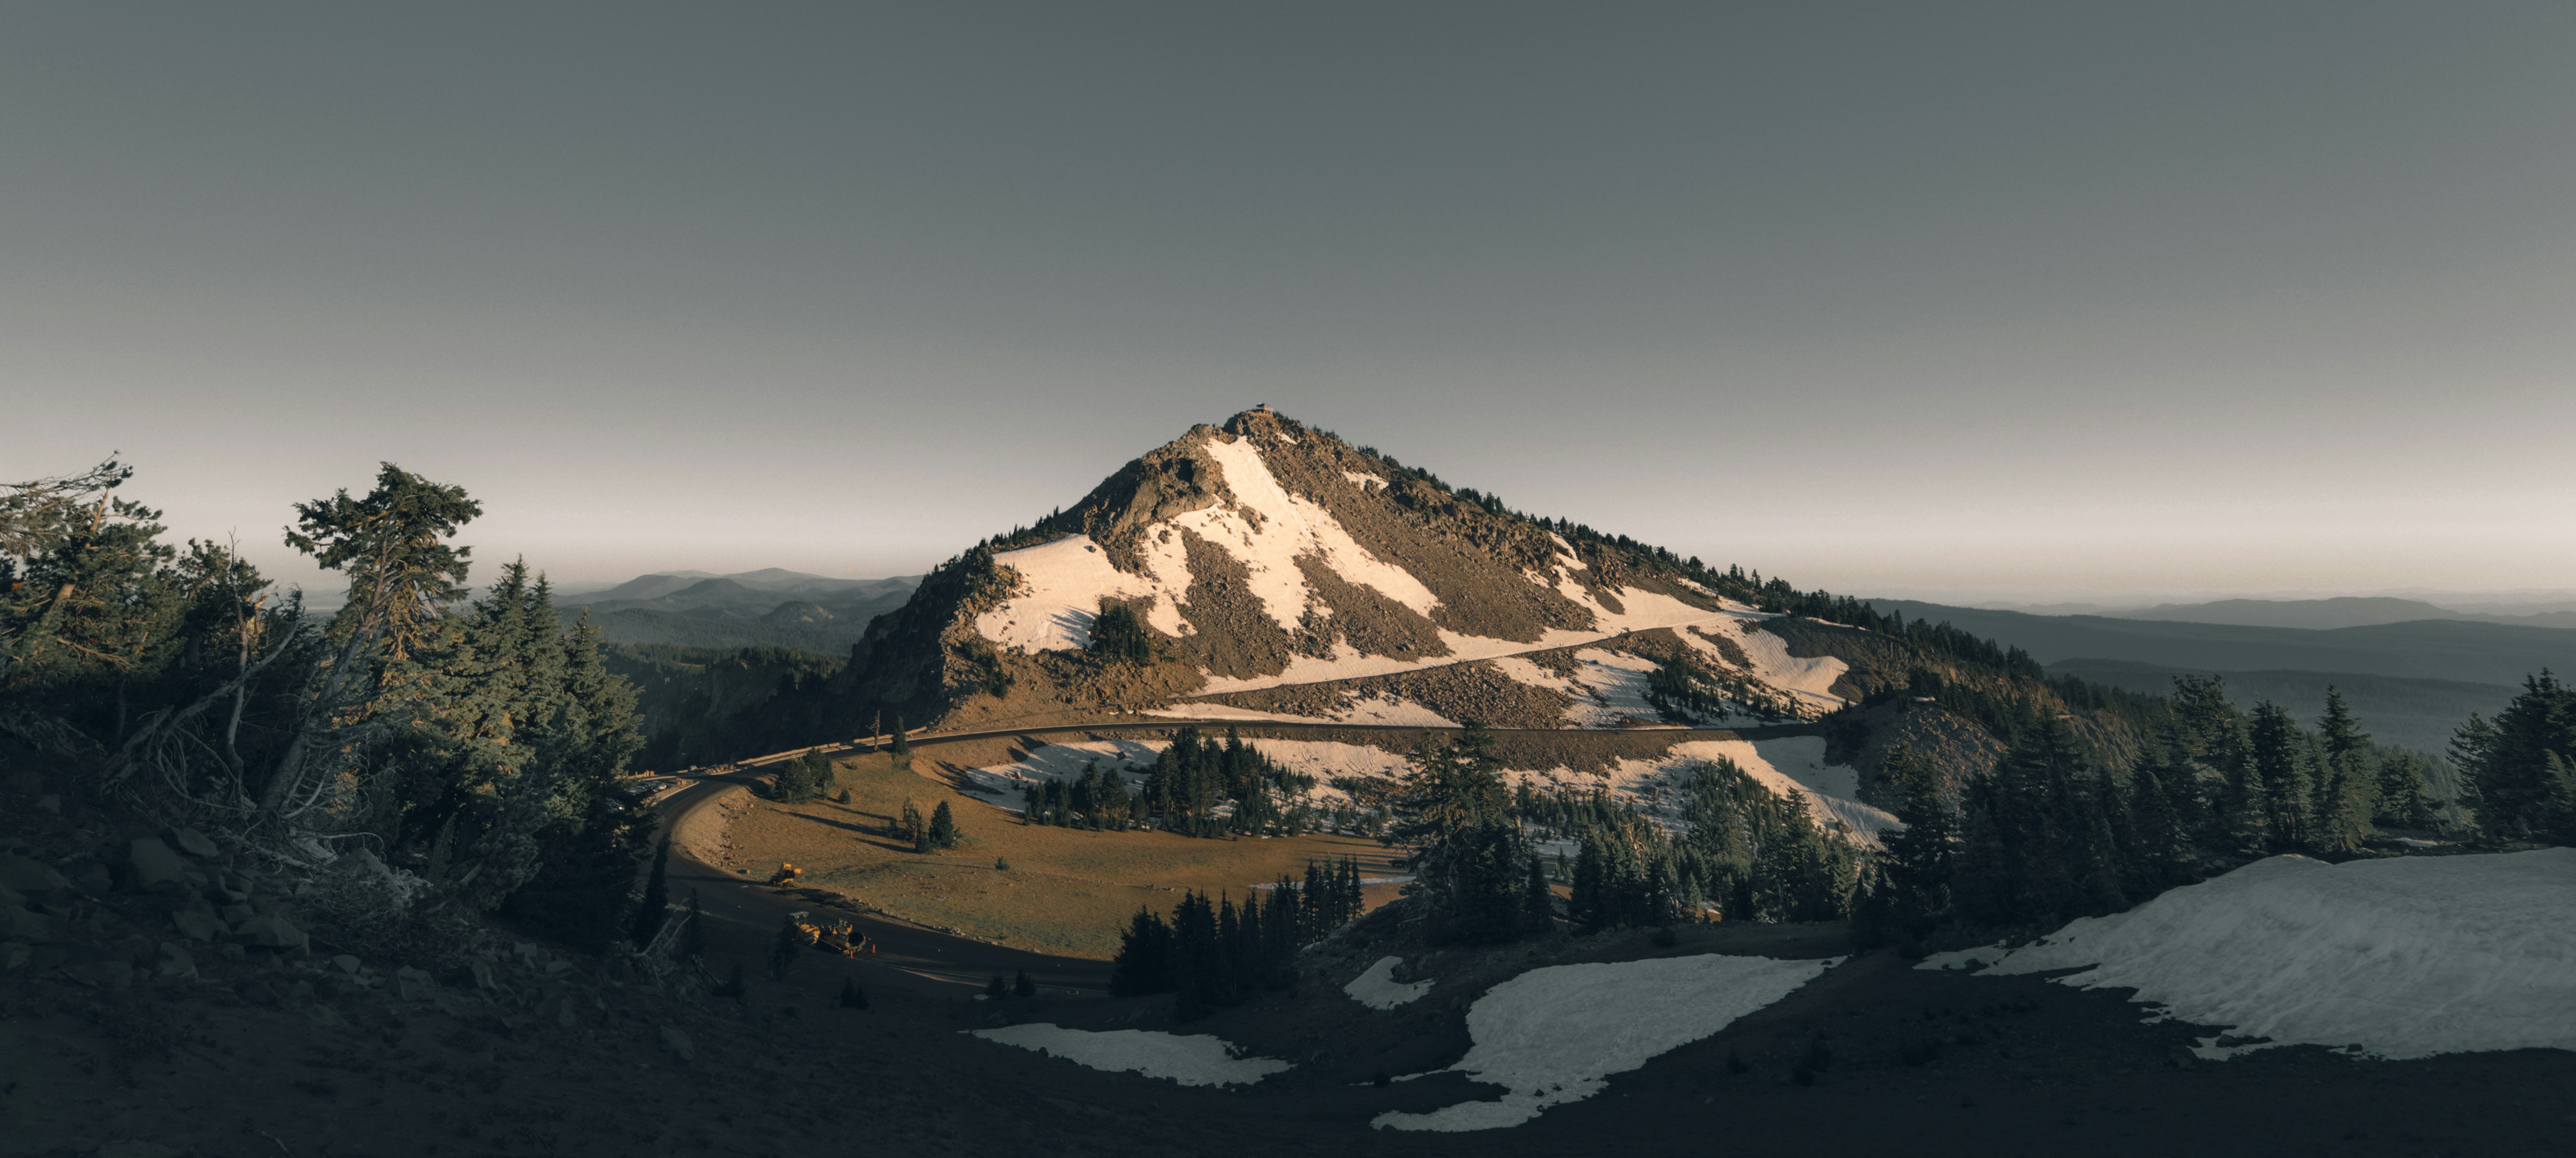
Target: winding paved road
[[916, 956]]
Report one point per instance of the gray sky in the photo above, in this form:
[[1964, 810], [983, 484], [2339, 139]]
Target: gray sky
[[2041, 298]]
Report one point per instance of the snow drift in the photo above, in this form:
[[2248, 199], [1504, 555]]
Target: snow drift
[[1189, 1059], [1554, 1035], [2402, 958], [1377, 988]]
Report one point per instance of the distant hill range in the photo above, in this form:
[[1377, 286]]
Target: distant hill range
[[2471, 651], [766, 608], [2329, 614], [2412, 680]]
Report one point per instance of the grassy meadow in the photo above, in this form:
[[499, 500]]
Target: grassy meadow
[[1066, 891]]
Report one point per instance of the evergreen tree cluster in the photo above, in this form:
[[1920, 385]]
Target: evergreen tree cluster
[[1687, 690], [937, 832], [2054, 833], [806, 777], [2520, 768], [1738, 847], [1218, 954], [1463, 839], [477, 745], [1096, 800], [1196, 774], [1119, 634]]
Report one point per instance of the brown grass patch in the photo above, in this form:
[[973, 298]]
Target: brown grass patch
[[1067, 891]]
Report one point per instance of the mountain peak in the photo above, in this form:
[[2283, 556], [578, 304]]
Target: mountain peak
[[1264, 555]]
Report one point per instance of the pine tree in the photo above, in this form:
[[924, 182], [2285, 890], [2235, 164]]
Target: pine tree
[[911, 829], [2162, 856], [1538, 901], [795, 782], [2346, 781], [2402, 800], [901, 746], [943, 832], [1144, 961], [2280, 759], [693, 937], [1909, 884], [1023, 987], [2208, 738], [2512, 767], [656, 905], [2036, 845]]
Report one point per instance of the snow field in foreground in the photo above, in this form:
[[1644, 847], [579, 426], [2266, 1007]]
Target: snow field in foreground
[[1554, 1035], [1377, 988], [1189, 1059], [2404, 957]]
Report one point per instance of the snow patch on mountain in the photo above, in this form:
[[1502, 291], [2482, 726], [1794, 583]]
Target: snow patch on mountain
[[1268, 530], [1810, 678], [2403, 957], [1061, 585], [1612, 689], [1395, 710], [1265, 528]]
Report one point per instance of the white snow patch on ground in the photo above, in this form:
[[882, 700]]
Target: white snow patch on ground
[[1810, 678], [1348, 663], [1128, 758], [1970, 959], [1524, 671], [1205, 711], [2405, 957], [1613, 687], [1555, 1035], [1190, 1059], [1392, 710], [1377, 988], [1324, 759], [1364, 480]]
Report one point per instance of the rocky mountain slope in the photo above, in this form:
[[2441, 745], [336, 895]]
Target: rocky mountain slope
[[1268, 570], [1273, 569]]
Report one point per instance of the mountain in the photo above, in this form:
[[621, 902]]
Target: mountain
[[1269, 570], [2421, 714], [768, 608], [768, 583], [2329, 614], [2468, 651]]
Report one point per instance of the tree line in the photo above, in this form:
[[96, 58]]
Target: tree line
[[2054, 832], [1219, 954]]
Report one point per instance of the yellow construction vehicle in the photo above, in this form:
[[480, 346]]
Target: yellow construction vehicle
[[786, 874]]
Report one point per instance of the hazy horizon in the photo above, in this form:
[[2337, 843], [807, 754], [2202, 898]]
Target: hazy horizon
[[2197, 298]]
